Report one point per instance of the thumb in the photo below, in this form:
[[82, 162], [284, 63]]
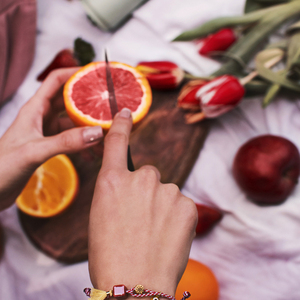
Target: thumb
[[69, 141]]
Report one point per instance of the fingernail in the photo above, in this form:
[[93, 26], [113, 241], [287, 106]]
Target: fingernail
[[92, 134], [125, 113]]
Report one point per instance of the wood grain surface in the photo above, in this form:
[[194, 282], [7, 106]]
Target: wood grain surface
[[162, 140]]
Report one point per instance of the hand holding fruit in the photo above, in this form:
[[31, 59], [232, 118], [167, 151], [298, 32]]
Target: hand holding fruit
[[37, 134], [140, 230]]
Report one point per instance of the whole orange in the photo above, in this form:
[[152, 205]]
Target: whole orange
[[199, 281]]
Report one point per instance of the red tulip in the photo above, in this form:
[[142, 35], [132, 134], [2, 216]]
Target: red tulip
[[220, 95], [162, 75], [187, 96], [217, 97], [207, 218], [219, 41]]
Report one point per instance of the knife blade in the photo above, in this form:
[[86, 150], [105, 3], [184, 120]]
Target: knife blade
[[114, 106], [111, 90]]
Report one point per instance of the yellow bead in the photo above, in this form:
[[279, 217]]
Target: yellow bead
[[139, 289]]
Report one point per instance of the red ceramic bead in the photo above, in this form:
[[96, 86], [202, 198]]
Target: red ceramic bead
[[119, 290]]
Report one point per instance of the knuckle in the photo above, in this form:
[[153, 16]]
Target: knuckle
[[57, 76], [66, 141], [189, 212], [109, 179], [54, 75], [172, 190], [148, 173], [116, 137]]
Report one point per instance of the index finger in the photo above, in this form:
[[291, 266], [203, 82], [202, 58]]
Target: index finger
[[54, 81], [52, 85], [116, 142]]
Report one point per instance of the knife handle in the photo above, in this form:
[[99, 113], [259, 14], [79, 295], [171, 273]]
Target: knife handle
[[129, 161]]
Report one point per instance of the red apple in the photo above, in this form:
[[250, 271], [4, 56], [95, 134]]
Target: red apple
[[207, 218], [267, 169]]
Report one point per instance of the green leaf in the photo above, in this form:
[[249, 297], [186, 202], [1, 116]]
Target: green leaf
[[256, 87], [282, 44], [216, 24], [83, 51], [268, 54], [252, 5], [293, 53], [271, 93], [294, 71], [274, 77]]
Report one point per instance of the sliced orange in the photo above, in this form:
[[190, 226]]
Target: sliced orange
[[51, 188], [200, 281], [86, 94]]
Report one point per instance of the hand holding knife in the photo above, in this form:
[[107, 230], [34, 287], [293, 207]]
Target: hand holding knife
[[114, 106]]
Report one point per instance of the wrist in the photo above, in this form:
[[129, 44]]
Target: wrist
[[122, 292], [157, 286], [151, 280]]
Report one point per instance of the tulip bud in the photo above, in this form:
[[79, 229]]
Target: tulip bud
[[217, 97], [219, 41], [220, 95], [187, 96], [162, 75]]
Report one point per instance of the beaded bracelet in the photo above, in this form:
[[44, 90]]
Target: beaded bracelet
[[121, 291]]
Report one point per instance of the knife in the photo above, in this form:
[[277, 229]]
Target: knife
[[114, 106]]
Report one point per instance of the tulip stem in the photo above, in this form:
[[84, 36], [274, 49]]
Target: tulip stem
[[270, 63]]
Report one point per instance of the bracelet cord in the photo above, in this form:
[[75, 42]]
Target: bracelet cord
[[149, 293], [146, 293]]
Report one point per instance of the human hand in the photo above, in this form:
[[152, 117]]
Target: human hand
[[140, 230], [37, 134]]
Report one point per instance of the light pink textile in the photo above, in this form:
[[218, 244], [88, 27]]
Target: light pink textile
[[17, 42]]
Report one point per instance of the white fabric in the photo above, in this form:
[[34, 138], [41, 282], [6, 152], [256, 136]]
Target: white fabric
[[254, 251]]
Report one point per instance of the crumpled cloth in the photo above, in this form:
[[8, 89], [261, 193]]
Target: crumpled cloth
[[17, 43], [254, 251]]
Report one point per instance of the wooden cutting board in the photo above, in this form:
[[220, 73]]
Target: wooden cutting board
[[162, 140]]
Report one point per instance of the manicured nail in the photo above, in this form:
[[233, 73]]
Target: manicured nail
[[125, 113], [92, 134]]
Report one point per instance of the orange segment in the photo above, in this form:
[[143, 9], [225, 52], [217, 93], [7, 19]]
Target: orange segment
[[51, 188], [200, 281], [86, 95]]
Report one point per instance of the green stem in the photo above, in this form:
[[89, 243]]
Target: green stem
[[190, 76], [271, 93]]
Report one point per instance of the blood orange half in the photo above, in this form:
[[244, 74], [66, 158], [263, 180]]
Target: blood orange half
[[86, 95]]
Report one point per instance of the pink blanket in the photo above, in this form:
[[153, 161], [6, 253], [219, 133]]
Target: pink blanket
[[17, 42]]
